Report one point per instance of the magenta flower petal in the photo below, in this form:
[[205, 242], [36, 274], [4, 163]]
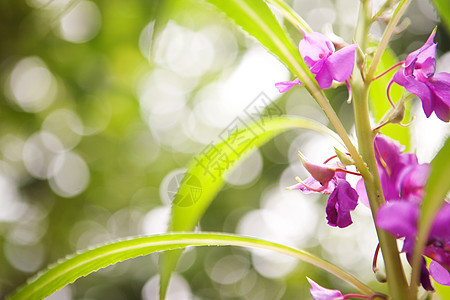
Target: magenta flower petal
[[321, 172], [340, 64], [287, 85], [388, 150], [324, 78], [320, 293], [425, 276], [317, 66], [361, 189], [311, 182], [439, 273], [412, 184], [314, 47], [341, 201], [440, 85], [441, 223], [424, 71], [413, 56], [422, 91], [399, 218]]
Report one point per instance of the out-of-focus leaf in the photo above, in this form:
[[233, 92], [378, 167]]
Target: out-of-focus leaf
[[379, 103], [438, 186], [443, 8], [255, 17], [290, 14], [162, 16], [67, 271], [205, 175]]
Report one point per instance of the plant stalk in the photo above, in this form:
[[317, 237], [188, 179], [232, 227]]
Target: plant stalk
[[397, 284]]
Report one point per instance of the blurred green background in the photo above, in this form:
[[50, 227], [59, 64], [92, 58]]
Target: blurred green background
[[95, 129]]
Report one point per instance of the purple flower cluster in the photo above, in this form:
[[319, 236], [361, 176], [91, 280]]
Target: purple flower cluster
[[402, 177], [403, 181]]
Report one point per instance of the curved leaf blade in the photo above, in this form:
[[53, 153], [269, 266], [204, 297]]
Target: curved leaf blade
[[255, 17], [291, 15], [82, 264], [437, 188], [209, 168], [221, 158], [443, 8]]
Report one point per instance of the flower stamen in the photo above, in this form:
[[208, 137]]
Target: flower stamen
[[309, 187]]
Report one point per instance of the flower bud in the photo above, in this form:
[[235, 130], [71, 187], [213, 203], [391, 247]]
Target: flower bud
[[380, 276], [345, 159], [399, 114], [320, 172]]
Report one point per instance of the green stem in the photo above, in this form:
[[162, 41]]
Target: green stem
[[398, 13], [337, 124], [394, 270], [398, 287]]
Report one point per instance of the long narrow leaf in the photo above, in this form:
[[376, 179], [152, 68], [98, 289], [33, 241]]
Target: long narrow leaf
[[255, 17], [82, 264], [443, 8], [291, 15], [205, 176], [438, 186]]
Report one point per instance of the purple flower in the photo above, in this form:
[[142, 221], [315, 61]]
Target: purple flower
[[401, 175], [418, 77], [341, 201], [320, 293], [400, 218], [330, 179], [320, 56]]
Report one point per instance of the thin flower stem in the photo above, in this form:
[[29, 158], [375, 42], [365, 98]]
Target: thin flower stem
[[381, 125], [328, 159], [388, 93], [309, 187], [383, 8], [348, 172], [375, 258], [398, 13], [349, 88], [388, 70], [394, 270], [348, 296]]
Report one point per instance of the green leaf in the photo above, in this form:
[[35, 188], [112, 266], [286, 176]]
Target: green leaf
[[291, 15], [205, 175], [379, 103], [164, 10], [437, 188], [443, 8], [255, 17], [67, 271], [438, 184]]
